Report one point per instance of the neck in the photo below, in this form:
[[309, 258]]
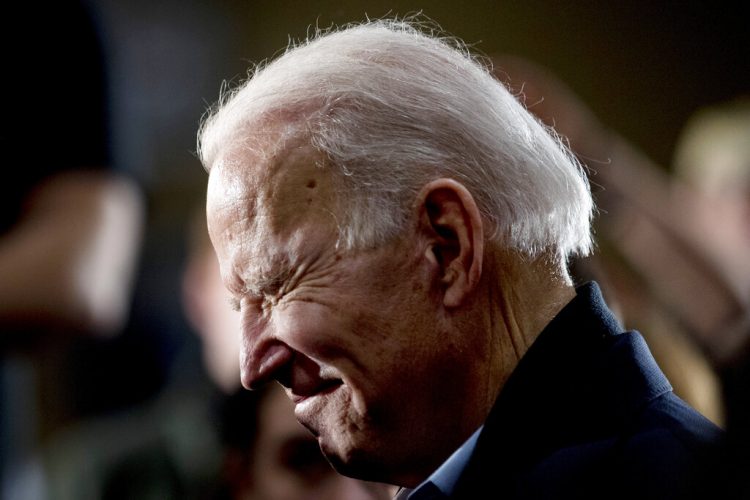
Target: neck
[[523, 297]]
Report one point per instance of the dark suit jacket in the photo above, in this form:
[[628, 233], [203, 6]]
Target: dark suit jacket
[[588, 414]]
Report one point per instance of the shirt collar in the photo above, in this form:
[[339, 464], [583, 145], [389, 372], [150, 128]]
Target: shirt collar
[[446, 476]]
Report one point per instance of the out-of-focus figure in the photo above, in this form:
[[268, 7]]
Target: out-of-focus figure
[[70, 227], [712, 158]]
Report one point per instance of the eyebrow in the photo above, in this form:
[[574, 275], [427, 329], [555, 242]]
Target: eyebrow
[[265, 286], [270, 281]]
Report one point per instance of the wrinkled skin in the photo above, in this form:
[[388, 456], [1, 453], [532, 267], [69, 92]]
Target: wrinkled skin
[[361, 340]]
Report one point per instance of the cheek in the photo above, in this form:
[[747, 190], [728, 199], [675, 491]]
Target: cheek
[[349, 343], [326, 333], [370, 341]]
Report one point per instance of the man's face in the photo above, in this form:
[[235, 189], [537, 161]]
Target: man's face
[[357, 338]]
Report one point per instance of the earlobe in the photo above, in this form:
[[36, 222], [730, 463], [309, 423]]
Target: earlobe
[[451, 220]]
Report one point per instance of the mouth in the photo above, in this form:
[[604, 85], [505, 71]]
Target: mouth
[[298, 395]]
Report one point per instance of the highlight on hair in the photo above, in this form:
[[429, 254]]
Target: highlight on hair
[[392, 106]]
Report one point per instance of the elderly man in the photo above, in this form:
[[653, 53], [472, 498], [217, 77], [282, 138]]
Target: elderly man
[[394, 228]]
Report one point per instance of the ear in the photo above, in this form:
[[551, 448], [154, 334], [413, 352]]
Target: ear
[[450, 218]]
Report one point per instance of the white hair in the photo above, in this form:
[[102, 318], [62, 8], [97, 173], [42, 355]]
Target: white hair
[[393, 107]]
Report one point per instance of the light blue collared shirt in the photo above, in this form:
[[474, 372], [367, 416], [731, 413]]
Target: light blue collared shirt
[[446, 476]]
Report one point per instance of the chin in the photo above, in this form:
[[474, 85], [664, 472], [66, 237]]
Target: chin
[[357, 464], [355, 456], [344, 433]]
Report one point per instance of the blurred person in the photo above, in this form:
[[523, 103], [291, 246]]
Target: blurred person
[[70, 226], [168, 446], [395, 229], [712, 158]]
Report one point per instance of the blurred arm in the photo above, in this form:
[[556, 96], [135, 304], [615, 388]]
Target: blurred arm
[[70, 259]]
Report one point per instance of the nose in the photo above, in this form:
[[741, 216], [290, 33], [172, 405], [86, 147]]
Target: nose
[[262, 356]]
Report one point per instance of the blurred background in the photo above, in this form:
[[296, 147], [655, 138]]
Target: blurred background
[[642, 69]]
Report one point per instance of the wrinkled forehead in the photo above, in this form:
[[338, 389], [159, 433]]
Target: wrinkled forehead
[[273, 189]]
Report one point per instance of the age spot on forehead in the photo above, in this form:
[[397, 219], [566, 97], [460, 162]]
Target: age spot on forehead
[[298, 190]]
